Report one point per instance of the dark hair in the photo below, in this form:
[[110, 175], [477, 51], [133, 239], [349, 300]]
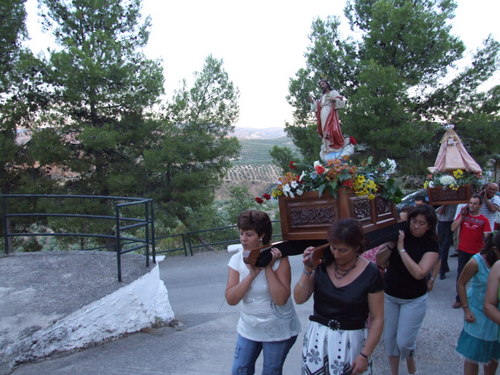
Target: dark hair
[[259, 222], [348, 231], [478, 197], [492, 242], [430, 216], [327, 83], [420, 198], [406, 209]]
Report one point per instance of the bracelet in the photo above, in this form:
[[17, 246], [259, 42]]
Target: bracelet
[[431, 278], [363, 355], [308, 273], [465, 306], [402, 251]]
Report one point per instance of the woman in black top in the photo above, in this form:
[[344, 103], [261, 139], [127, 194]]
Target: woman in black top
[[405, 300], [346, 289]]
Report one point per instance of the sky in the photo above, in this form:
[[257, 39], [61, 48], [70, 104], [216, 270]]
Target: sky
[[261, 42]]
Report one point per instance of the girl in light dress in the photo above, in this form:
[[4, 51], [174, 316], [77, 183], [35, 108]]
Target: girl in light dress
[[478, 343]]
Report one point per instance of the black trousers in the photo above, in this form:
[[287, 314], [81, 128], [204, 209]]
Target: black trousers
[[463, 258]]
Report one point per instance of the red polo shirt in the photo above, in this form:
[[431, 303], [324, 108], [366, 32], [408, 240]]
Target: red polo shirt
[[472, 230]]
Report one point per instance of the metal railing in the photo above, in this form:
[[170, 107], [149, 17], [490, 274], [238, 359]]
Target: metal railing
[[123, 243], [196, 240]]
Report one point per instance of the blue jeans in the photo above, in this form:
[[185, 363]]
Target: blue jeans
[[247, 352]]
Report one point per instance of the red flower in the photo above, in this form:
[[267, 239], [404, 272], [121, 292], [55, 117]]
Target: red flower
[[319, 169], [259, 200], [266, 196], [347, 183], [353, 140], [292, 165]]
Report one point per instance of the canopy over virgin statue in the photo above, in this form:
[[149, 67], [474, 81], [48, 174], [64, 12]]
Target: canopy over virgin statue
[[452, 155]]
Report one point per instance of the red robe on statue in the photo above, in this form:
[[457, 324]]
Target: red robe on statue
[[332, 130]]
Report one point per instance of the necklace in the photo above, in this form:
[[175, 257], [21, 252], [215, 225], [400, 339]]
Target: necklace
[[340, 273]]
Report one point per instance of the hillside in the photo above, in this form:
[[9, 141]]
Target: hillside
[[253, 168], [256, 151]]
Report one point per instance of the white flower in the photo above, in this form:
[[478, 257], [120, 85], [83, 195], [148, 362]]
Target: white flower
[[299, 192], [287, 191], [447, 180], [302, 175], [392, 164], [316, 163], [431, 184], [294, 184]]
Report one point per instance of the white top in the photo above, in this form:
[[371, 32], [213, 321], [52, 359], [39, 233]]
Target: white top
[[261, 319], [486, 212]]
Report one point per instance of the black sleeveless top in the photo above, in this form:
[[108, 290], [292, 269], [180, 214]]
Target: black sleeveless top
[[349, 302]]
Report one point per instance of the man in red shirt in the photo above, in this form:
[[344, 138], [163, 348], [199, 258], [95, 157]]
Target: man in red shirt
[[473, 228]]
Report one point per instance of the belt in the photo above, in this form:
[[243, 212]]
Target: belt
[[338, 325]]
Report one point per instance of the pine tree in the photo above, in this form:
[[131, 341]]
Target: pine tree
[[396, 76], [194, 150]]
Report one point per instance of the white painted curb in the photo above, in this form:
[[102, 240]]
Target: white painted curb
[[138, 305]]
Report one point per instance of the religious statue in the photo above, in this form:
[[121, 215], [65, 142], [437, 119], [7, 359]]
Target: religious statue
[[452, 154], [333, 145]]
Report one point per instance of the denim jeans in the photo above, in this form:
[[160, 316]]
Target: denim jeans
[[247, 352]]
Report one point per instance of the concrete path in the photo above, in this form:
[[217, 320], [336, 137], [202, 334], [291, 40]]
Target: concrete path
[[203, 344]]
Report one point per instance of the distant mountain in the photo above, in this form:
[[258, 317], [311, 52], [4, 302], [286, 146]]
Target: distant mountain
[[258, 133]]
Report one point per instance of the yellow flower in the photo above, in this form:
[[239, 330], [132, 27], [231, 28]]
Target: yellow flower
[[276, 193], [458, 173], [371, 196], [426, 184]]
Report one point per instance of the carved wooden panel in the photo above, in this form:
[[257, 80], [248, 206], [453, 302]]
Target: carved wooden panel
[[439, 196], [361, 209], [308, 217]]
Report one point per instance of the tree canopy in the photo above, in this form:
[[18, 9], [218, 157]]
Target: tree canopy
[[401, 82], [94, 110], [190, 159]]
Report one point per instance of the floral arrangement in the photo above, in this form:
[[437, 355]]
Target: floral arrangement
[[453, 180], [365, 179]]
